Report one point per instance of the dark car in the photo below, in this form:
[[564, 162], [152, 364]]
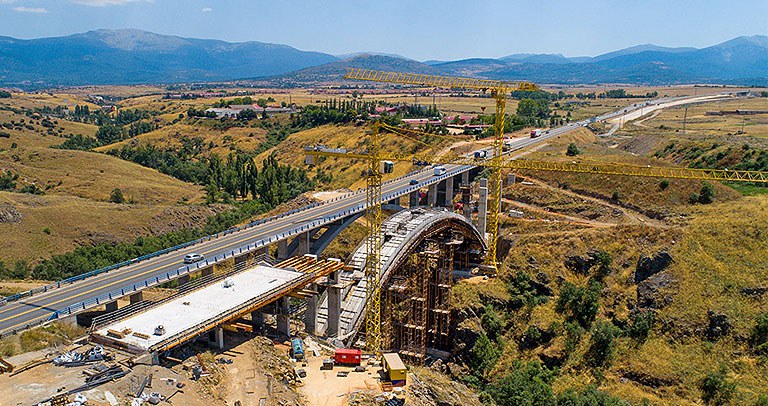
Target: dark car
[[414, 182]]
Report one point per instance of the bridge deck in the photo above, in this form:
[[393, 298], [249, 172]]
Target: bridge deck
[[203, 306]]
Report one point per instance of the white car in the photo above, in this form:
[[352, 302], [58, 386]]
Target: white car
[[193, 257]]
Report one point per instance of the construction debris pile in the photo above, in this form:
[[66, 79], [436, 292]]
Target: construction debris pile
[[74, 358]]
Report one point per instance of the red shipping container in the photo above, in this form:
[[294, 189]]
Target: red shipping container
[[347, 356]]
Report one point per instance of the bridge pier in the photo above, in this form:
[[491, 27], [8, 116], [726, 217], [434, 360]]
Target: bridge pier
[[448, 202], [334, 310], [310, 315], [303, 248], [465, 177], [283, 316], [482, 206], [432, 195], [257, 320], [220, 337], [136, 297], [466, 197], [413, 199], [282, 249]]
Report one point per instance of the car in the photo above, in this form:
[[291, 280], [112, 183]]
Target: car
[[414, 182], [193, 257]]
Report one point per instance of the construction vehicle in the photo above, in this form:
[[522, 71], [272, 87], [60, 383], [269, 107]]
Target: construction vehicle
[[347, 356], [374, 156]]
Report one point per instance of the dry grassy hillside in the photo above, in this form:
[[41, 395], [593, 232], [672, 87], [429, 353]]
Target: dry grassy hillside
[[75, 208]]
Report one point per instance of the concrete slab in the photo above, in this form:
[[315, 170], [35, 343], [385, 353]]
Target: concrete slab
[[208, 303]]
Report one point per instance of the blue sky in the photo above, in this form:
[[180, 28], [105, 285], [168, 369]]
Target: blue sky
[[419, 29]]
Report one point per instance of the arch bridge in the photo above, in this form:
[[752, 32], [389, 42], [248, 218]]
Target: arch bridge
[[423, 250]]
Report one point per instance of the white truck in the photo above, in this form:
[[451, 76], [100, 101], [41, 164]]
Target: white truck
[[439, 170]]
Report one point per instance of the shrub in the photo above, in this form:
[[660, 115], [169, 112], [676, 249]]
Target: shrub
[[601, 344], [693, 198], [573, 150], [116, 196], [525, 384], [589, 396], [603, 261], [716, 389], [491, 322], [707, 193], [523, 292], [641, 325], [580, 304], [762, 400], [616, 196], [573, 333], [759, 337], [664, 184], [483, 356]]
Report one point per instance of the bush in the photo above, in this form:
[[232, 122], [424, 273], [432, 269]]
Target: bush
[[573, 333], [591, 396], [491, 323], [759, 337], [580, 304], [32, 189], [4, 94], [525, 384], [573, 150], [716, 389], [523, 291], [693, 198], [707, 193], [116, 196], [664, 184], [483, 356], [642, 322], [601, 344], [603, 261], [616, 196]]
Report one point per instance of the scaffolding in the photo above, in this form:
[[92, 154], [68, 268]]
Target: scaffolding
[[417, 310]]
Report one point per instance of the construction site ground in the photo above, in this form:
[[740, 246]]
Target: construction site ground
[[326, 388]]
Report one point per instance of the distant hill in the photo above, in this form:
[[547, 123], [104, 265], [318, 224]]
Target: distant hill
[[334, 71], [133, 56]]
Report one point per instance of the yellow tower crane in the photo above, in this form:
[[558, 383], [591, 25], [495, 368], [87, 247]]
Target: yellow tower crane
[[374, 157], [499, 90]]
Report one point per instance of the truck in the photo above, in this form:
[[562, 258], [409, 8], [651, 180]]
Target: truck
[[297, 349], [481, 154], [439, 170], [536, 133]]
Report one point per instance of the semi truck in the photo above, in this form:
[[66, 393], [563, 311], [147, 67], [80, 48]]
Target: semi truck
[[536, 133]]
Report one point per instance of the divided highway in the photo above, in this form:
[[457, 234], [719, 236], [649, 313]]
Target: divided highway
[[18, 314]]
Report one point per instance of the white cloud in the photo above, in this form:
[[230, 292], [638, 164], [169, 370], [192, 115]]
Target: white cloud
[[207, 10], [22, 9], [104, 3]]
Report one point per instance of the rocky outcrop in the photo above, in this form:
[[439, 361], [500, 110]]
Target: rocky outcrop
[[648, 266], [719, 325], [581, 264], [9, 214], [654, 292]]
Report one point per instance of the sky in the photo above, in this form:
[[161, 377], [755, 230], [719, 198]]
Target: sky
[[417, 29]]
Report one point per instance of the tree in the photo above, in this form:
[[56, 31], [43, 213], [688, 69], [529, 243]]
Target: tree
[[109, 133], [707, 193], [483, 356], [573, 150], [491, 322], [642, 322], [716, 389], [580, 304], [116, 196], [526, 384], [600, 349]]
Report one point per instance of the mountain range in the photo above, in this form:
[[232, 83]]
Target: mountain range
[[136, 57]]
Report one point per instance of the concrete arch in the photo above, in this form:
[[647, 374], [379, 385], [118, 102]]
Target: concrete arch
[[402, 234]]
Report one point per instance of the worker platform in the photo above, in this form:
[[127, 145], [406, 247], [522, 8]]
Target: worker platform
[[181, 317]]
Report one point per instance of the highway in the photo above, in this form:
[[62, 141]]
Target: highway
[[17, 314]]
